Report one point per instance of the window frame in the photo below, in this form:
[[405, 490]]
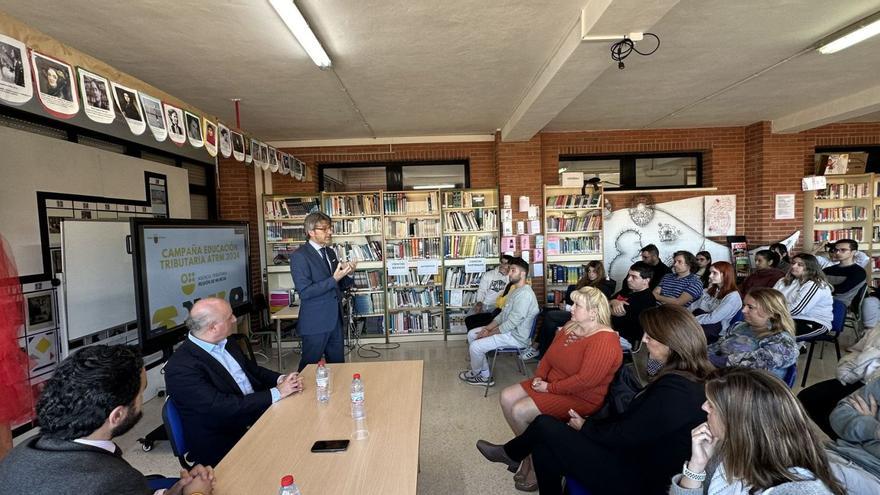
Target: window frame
[[628, 167], [394, 170]]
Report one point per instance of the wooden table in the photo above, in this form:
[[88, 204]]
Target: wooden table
[[279, 443], [286, 313]]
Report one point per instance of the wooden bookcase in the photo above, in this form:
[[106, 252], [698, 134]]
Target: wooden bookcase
[[283, 217]]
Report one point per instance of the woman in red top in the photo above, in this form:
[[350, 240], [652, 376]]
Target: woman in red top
[[573, 375]]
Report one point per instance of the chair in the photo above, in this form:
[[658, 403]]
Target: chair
[[837, 322], [854, 313], [738, 317], [267, 328], [158, 482], [174, 427], [572, 487], [244, 344], [790, 375], [520, 364]]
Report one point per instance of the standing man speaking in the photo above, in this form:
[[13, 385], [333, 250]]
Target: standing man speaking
[[320, 278]]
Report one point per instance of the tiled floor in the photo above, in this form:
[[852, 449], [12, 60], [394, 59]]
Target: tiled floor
[[454, 417]]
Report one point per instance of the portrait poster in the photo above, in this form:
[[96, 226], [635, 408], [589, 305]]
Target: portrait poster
[[16, 86], [194, 130], [273, 159], [298, 169], [130, 107], [97, 103], [174, 117], [264, 156], [210, 137], [237, 146], [55, 86], [155, 116], [285, 164], [248, 157], [225, 141], [255, 151]]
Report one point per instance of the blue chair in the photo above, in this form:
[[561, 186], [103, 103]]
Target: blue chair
[[839, 317], [738, 317], [572, 487], [790, 375], [174, 427], [520, 364], [156, 482]]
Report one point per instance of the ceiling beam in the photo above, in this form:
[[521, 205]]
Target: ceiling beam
[[844, 108]]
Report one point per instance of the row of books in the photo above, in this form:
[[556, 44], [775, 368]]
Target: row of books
[[564, 274], [574, 201], [854, 233], [413, 248], [352, 205], [842, 214], [844, 191], [876, 235], [280, 231], [455, 321], [470, 246], [464, 199], [368, 251], [556, 297], [414, 298], [366, 226], [469, 221], [411, 278], [400, 203], [365, 304], [367, 279], [458, 298], [574, 245], [281, 253], [412, 227], [423, 322], [291, 207], [456, 278], [574, 223]]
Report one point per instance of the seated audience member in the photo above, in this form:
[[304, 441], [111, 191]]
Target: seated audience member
[[627, 306], [766, 273], [808, 296], [858, 367], [573, 376], [704, 261], [720, 301], [510, 328], [856, 422], [825, 254], [218, 391], [846, 277], [635, 451], [95, 395], [492, 283], [781, 251], [651, 255], [593, 277], [765, 339], [757, 440], [681, 287]]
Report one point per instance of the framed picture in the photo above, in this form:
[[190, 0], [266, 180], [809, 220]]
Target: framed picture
[[40, 311]]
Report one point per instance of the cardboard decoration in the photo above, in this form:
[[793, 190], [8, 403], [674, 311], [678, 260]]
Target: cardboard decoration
[[194, 130], [248, 157], [273, 160], [255, 151], [55, 85], [264, 156], [210, 137], [16, 86], [298, 169], [130, 108], [154, 115], [225, 141], [97, 102], [237, 146], [174, 118], [285, 164]]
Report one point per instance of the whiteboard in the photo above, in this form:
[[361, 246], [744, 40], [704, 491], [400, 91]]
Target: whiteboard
[[98, 276]]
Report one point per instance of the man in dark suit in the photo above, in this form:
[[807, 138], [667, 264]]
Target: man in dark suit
[[218, 391], [320, 278], [95, 395]]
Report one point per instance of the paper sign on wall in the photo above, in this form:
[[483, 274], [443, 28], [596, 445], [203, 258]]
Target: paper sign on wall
[[525, 256], [507, 200], [523, 204], [507, 228], [538, 270], [474, 265], [506, 214], [397, 267], [533, 212], [520, 227], [508, 243], [539, 255], [427, 267], [539, 241], [784, 206], [572, 179], [814, 183], [525, 243], [534, 226]]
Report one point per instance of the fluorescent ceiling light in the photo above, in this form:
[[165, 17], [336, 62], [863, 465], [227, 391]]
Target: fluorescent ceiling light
[[437, 186], [297, 25], [850, 35]]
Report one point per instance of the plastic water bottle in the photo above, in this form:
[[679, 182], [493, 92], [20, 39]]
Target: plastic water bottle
[[322, 379], [288, 487], [357, 398]]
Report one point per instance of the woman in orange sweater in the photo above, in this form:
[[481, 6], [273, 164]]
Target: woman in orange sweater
[[573, 375]]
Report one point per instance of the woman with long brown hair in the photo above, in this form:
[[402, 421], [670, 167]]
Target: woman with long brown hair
[[635, 451], [594, 276], [808, 295], [757, 437]]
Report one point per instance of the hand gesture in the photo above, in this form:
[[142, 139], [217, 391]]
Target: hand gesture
[[539, 385], [198, 479], [703, 445], [483, 333], [576, 421], [863, 407], [618, 307], [353, 265], [342, 269], [291, 384]]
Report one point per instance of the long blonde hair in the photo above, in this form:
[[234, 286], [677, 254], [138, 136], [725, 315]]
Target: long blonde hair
[[766, 431], [593, 298], [773, 303]]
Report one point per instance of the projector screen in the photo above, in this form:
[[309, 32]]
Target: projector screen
[[179, 262]]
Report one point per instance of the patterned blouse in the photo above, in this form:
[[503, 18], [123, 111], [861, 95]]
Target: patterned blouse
[[742, 347]]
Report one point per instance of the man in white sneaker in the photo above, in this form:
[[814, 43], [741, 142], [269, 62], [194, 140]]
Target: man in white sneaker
[[511, 328]]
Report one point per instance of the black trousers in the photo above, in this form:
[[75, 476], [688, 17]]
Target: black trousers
[[821, 398], [807, 328], [480, 319], [553, 319]]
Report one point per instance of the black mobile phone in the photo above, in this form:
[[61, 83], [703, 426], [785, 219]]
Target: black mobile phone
[[330, 446]]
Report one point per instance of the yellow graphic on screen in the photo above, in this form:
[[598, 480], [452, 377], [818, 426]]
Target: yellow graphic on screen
[[165, 317], [188, 283]]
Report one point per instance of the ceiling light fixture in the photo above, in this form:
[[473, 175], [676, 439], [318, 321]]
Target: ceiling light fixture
[[854, 33], [296, 23], [437, 186]]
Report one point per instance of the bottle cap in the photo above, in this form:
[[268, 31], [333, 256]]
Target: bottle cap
[[322, 362], [287, 480], [357, 376]]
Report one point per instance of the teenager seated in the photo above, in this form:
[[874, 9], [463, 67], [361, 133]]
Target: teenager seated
[[765, 339], [846, 277], [782, 251], [808, 296], [766, 273], [856, 422], [638, 450], [629, 302], [681, 287], [492, 284], [704, 261], [573, 376], [757, 439], [720, 301]]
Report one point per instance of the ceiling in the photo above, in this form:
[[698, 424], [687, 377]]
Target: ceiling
[[419, 68]]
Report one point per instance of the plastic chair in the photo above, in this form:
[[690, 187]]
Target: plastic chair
[[572, 487], [158, 482], [738, 317], [790, 375], [854, 313], [837, 322], [520, 364], [174, 427], [267, 328]]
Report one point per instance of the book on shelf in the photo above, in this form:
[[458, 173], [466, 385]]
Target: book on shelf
[[352, 205], [844, 191], [464, 199], [854, 233], [291, 207], [564, 274], [367, 279], [408, 227], [552, 244], [426, 297], [470, 246], [365, 226], [458, 298], [470, 221], [358, 249], [401, 203], [574, 223], [411, 278], [415, 322], [413, 248], [364, 304], [580, 245], [456, 278], [574, 200], [281, 253], [842, 214], [284, 231]]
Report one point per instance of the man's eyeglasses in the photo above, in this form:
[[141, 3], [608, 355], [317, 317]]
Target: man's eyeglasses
[[326, 229]]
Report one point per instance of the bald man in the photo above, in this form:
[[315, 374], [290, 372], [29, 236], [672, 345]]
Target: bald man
[[217, 389]]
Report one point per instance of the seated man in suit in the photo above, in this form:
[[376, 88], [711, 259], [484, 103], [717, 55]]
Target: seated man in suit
[[218, 391], [95, 395]]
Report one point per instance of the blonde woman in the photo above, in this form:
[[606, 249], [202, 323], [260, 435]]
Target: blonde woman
[[765, 339], [573, 375]]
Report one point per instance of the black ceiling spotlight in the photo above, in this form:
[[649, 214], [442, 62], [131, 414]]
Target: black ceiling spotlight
[[622, 49]]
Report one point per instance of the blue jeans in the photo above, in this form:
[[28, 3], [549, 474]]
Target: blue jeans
[[316, 346]]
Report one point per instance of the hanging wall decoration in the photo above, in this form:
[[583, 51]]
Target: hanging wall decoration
[[97, 103], [273, 159], [264, 156], [54, 80], [257, 156], [298, 169], [130, 108], [16, 86], [174, 117], [210, 137], [225, 141], [237, 146], [285, 164], [720, 215], [248, 157], [194, 130], [154, 115]]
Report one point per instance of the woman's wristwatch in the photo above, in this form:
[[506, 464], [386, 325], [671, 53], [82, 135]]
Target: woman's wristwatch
[[687, 473]]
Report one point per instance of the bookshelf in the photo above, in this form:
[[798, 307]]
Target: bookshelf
[[572, 235], [283, 220], [470, 233]]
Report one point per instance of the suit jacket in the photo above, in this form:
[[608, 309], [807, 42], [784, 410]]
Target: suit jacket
[[320, 295], [214, 411], [50, 466]]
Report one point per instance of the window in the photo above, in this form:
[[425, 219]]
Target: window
[[393, 176], [628, 172]]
